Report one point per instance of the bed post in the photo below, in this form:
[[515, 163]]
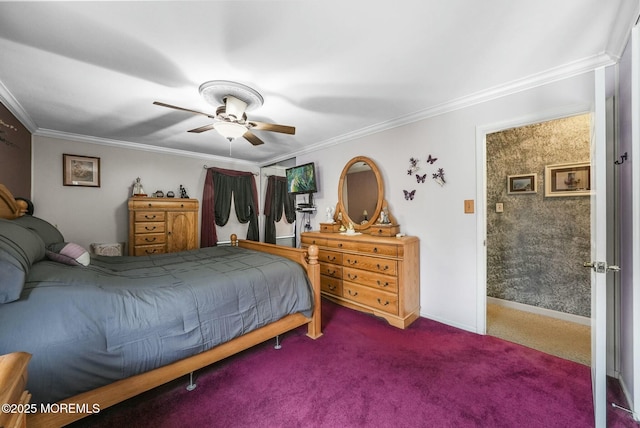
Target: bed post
[[315, 326]]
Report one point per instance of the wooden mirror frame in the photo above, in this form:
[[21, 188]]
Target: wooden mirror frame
[[379, 203]]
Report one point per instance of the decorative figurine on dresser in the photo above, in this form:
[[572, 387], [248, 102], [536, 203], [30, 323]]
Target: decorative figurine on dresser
[[162, 225], [367, 265]]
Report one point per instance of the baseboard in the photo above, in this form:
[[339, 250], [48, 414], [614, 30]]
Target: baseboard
[[540, 311]]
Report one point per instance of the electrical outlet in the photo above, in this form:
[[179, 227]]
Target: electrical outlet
[[499, 207]]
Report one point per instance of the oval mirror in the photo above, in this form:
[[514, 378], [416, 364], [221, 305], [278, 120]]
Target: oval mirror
[[360, 193]]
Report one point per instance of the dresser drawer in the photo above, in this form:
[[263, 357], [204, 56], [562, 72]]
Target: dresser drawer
[[331, 285], [374, 264], [343, 245], [146, 250], [141, 216], [150, 238], [332, 270], [164, 204], [328, 256], [371, 279], [149, 227], [307, 240], [376, 299], [381, 249]]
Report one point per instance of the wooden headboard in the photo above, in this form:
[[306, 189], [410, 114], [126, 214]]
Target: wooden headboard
[[9, 207]]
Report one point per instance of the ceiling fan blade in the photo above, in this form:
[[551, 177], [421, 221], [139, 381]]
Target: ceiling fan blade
[[251, 137], [158, 103], [261, 126], [202, 128]]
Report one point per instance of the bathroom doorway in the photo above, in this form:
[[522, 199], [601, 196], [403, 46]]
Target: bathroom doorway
[[538, 229]]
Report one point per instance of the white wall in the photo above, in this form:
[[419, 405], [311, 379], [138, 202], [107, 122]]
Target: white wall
[[87, 214], [449, 244]]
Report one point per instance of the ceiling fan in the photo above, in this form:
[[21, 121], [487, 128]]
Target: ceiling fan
[[231, 119]]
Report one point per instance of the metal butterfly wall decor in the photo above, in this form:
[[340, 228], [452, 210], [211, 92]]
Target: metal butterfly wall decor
[[421, 178], [408, 195], [431, 159]]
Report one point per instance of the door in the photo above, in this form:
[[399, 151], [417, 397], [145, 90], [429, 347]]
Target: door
[[181, 231], [598, 264]]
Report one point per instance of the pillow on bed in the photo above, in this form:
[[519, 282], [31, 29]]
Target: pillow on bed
[[19, 249], [12, 277], [48, 232], [68, 253]]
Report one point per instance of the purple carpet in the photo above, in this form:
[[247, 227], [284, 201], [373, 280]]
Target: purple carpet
[[364, 373]]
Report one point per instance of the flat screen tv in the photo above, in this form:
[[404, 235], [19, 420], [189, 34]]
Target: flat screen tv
[[302, 179]]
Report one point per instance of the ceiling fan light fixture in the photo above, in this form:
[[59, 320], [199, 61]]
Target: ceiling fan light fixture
[[230, 130]]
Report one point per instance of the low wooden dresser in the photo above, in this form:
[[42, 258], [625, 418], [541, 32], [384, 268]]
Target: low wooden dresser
[[162, 225], [14, 397], [374, 274]]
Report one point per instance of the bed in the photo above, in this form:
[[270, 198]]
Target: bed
[[105, 332]]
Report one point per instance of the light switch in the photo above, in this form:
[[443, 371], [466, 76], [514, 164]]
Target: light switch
[[469, 206], [499, 207]]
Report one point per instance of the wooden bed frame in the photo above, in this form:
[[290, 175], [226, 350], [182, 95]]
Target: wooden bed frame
[[124, 389]]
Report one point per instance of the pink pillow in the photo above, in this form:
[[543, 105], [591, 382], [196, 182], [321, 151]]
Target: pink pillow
[[68, 253]]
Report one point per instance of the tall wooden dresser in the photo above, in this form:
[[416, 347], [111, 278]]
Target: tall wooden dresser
[[374, 274], [162, 225]]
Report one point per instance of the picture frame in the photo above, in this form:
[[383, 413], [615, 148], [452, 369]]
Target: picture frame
[[522, 183], [80, 170], [567, 179]]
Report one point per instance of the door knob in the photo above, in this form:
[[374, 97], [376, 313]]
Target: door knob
[[601, 267]]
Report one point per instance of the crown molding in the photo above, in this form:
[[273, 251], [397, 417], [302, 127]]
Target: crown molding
[[50, 133], [9, 101], [530, 82]]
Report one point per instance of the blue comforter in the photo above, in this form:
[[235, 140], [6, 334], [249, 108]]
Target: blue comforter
[[89, 326]]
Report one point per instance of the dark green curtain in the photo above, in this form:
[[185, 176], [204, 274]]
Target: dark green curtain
[[276, 201], [220, 185]]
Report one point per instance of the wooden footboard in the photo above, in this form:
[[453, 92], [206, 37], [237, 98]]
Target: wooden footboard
[[106, 396]]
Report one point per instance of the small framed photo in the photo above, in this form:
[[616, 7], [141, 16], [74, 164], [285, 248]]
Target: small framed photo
[[523, 183], [80, 171], [567, 179]]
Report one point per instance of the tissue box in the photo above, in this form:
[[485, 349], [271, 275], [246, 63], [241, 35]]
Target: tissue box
[[101, 249]]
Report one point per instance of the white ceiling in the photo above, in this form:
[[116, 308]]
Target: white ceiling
[[333, 69]]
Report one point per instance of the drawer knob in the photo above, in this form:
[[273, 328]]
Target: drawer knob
[[386, 303], [331, 272], [150, 239], [352, 276], [332, 287], [383, 284], [352, 262], [149, 228], [331, 258], [150, 205], [353, 293], [375, 249], [382, 267], [150, 251], [340, 245], [149, 217]]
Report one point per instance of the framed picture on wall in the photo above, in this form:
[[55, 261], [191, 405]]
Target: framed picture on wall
[[80, 171], [568, 179], [523, 183]]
